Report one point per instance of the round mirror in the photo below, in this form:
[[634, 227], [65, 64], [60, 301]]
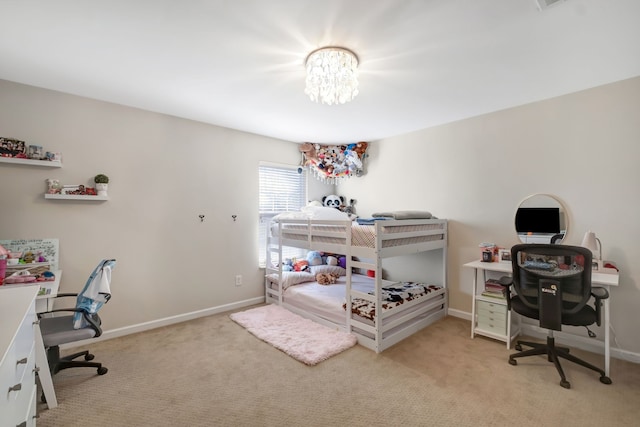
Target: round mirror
[[541, 218]]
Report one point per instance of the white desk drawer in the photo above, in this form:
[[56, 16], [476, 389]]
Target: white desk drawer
[[492, 317], [17, 368], [496, 327], [491, 307], [24, 399]]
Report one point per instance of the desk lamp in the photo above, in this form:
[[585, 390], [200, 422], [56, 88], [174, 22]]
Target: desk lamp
[[591, 242]]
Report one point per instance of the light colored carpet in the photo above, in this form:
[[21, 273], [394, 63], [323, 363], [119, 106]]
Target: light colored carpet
[[300, 338], [211, 372]]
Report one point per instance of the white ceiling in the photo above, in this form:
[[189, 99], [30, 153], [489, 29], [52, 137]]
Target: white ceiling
[[239, 63]]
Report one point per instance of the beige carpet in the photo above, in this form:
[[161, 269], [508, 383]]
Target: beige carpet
[[211, 372]]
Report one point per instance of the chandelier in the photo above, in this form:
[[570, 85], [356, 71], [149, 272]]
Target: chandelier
[[332, 75]]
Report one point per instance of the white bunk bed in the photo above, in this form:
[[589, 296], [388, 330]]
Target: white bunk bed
[[364, 247]]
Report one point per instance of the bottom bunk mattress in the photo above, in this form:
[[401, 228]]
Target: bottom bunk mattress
[[328, 301]]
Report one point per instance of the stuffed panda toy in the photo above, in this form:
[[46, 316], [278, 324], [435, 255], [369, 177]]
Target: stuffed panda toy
[[333, 201]]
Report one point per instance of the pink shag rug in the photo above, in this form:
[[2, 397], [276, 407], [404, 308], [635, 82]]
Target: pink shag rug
[[303, 339]]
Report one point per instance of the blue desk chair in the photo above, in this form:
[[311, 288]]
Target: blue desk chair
[[553, 285], [84, 322]]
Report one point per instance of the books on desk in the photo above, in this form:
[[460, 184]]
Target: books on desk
[[493, 289], [497, 295]]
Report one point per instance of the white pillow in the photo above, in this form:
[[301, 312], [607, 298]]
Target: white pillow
[[328, 269], [324, 213], [290, 278]]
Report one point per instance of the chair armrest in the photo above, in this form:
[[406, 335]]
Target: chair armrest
[[506, 282], [65, 295], [599, 294], [57, 310]]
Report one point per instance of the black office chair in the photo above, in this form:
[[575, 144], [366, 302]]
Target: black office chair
[[553, 284], [83, 324]]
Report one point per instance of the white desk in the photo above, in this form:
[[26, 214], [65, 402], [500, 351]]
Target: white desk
[[605, 279], [44, 302]]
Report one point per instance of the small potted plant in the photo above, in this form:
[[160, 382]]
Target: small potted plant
[[102, 182]]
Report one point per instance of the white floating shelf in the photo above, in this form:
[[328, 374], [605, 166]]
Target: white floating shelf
[[30, 162], [74, 197]]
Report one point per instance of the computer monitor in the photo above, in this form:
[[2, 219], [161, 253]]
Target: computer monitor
[[538, 220]]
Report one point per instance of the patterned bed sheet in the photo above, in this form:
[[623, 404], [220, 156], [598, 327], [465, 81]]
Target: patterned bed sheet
[[363, 235], [392, 296]]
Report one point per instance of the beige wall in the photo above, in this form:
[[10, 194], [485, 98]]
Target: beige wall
[[584, 148], [164, 172]]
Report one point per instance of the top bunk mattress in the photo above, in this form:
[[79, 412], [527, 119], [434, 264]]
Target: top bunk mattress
[[408, 232]]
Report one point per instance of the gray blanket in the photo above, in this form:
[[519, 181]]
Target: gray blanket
[[404, 214]]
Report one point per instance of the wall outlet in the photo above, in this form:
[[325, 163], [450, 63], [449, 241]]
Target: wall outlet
[[238, 280]]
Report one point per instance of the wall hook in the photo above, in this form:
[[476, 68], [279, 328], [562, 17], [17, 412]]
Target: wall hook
[[201, 218], [234, 217]]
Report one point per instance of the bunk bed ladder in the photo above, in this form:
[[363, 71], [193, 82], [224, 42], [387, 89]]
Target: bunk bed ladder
[[270, 268], [349, 267], [445, 279], [378, 281]]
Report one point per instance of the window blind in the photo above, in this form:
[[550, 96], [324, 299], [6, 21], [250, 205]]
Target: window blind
[[282, 189]]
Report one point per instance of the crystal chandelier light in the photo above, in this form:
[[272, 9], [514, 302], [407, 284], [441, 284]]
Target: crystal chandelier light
[[332, 75]]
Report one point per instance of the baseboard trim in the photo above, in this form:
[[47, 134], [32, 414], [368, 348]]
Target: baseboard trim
[[153, 324], [458, 313], [569, 339]]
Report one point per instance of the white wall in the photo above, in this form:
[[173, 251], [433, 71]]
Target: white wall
[[583, 148], [164, 172]]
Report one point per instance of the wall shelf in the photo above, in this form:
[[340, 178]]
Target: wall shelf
[[31, 162], [74, 197]]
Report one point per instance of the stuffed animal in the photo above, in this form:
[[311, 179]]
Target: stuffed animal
[[302, 265], [333, 201], [28, 258], [309, 151], [326, 278], [314, 258], [287, 265], [350, 209], [361, 148], [331, 260], [342, 262]]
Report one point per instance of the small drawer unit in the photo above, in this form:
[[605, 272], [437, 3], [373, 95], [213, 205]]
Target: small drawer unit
[[492, 317]]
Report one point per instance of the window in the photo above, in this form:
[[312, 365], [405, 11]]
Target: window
[[282, 189]]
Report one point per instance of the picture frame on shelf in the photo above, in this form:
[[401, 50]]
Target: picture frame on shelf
[[70, 189], [10, 147], [504, 255]]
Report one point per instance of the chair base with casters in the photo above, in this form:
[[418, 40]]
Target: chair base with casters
[[554, 353], [57, 363]]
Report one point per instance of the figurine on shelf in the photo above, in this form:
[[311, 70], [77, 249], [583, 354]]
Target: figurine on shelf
[[54, 186], [28, 258]]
